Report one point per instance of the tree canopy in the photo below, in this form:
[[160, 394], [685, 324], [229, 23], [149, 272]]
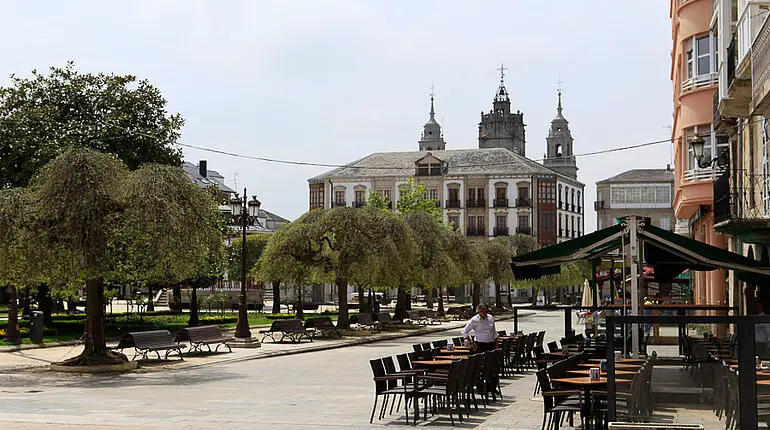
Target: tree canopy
[[44, 115]]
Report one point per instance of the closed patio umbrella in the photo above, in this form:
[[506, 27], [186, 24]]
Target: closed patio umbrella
[[587, 296]]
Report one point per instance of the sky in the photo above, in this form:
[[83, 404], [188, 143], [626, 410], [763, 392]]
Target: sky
[[333, 81]]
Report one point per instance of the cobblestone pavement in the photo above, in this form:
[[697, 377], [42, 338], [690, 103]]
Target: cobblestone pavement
[[323, 389]]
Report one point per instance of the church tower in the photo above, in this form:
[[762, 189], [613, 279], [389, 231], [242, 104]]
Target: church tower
[[432, 139], [500, 128], [559, 156]]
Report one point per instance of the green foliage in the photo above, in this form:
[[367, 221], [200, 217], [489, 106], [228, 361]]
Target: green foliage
[[434, 264], [378, 201], [45, 115], [255, 246], [414, 198], [13, 216]]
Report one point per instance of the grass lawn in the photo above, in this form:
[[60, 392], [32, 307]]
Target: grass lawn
[[70, 327]]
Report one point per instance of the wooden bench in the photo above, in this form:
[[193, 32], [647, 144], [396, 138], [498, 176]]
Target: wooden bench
[[145, 342], [292, 329], [206, 335], [365, 320], [416, 318], [323, 326], [386, 321], [430, 317]]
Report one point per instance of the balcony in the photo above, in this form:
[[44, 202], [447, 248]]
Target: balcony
[[478, 203], [473, 231], [738, 206], [523, 202], [700, 81], [524, 230], [452, 204], [359, 203], [501, 203], [340, 203], [735, 100], [700, 175], [760, 73], [501, 231]]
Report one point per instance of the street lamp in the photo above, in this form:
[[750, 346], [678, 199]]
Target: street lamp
[[698, 145], [245, 212]]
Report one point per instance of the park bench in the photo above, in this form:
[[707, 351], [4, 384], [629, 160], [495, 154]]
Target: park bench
[[365, 320], [292, 329], [146, 342], [324, 326], [206, 335], [386, 321], [416, 318], [430, 317]]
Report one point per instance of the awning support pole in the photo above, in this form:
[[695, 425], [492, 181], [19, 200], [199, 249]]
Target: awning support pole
[[633, 223]]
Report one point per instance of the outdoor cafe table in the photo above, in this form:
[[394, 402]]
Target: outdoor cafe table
[[433, 362], [450, 357], [622, 360], [584, 382], [623, 366], [456, 351], [587, 372]]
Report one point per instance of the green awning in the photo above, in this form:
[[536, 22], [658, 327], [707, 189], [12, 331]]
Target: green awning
[[674, 253], [668, 253], [547, 260]]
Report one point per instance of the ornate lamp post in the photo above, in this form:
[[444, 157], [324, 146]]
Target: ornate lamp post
[[698, 145], [246, 213]]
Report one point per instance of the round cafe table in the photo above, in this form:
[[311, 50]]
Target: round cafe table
[[586, 384], [587, 372]]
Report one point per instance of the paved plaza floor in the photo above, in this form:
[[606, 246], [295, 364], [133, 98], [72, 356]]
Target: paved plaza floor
[[322, 389]]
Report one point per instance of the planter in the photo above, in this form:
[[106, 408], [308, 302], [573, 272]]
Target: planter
[[104, 368]]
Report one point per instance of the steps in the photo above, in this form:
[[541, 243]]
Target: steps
[[161, 298]]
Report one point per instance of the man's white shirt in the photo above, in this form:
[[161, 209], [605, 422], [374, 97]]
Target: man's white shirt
[[484, 328]]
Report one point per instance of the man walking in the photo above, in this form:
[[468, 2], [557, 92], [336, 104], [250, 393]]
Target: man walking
[[484, 329]]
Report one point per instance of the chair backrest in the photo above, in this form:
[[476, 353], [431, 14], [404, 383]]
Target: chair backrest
[[440, 343], [426, 345], [502, 333], [553, 346], [413, 356], [390, 368], [540, 338], [457, 341], [403, 362], [545, 386], [378, 369], [417, 347]]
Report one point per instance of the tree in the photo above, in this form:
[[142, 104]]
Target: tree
[[13, 216], [499, 253], [255, 246], [414, 198], [91, 215], [45, 115]]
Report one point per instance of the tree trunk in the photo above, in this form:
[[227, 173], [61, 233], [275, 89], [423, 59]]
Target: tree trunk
[[408, 299], [194, 319], [12, 334], [72, 306], [361, 302], [498, 296], [342, 295], [299, 307], [400, 313], [441, 311], [25, 303], [150, 304], [510, 297], [476, 294], [176, 303], [276, 296], [376, 302], [45, 303], [429, 298], [370, 302]]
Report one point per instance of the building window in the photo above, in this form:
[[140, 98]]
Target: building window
[[501, 221], [433, 193], [766, 165], [454, 221], [714, 145], [480, 224], [640, 196], [665, 223], [579, 203], [500, 193], [316, 196], [386, 194], [700, 61], [339, 197], [471, 224], [560, 226], [360, 197]]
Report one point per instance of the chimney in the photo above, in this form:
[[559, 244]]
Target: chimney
[[668, 167], [202, 168]]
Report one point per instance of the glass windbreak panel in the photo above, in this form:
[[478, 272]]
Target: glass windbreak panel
[[683, 374]]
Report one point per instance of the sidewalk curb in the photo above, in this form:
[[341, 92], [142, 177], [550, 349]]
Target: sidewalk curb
[[259, 354]]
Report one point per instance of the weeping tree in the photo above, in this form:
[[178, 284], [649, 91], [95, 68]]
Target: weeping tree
[[169, 231], [13, 216], [77, 208], [475, 269]]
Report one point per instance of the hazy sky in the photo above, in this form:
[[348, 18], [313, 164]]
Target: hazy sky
[[332, 81]]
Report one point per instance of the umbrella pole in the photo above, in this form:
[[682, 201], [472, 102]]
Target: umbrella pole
[[633, 222]]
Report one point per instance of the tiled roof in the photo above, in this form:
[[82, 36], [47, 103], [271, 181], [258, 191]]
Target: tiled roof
[[212, 177], [642, 175], [487, 161]]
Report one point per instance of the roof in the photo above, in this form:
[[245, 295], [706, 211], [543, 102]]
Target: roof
[[271, 216], [642, 175], [482, 161], [212, 177]]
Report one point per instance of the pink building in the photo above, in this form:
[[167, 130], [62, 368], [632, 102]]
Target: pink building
[[694, 75]]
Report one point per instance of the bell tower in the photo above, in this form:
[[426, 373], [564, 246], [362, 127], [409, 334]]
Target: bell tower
[[559, 146], [432, 139], [500, 128]]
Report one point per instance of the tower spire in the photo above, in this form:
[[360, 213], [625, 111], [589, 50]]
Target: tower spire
[[432, 111], [432, 138], [502, 93], [559, 108]]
